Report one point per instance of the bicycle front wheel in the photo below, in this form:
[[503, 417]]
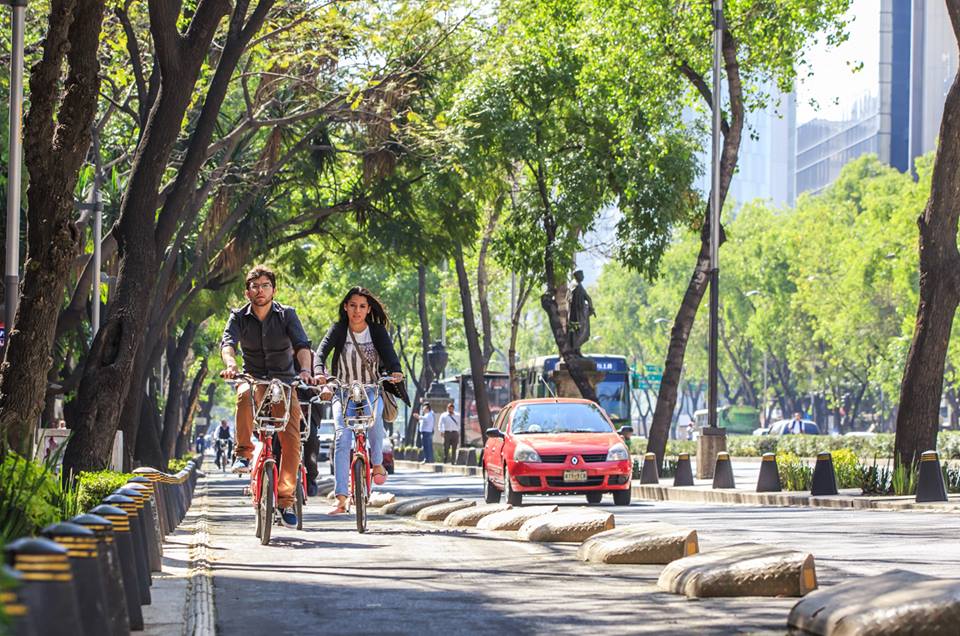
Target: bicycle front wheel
[[359, 479], [301, 498], [267, 503]]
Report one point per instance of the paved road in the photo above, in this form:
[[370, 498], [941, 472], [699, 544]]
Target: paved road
[[406, 577]]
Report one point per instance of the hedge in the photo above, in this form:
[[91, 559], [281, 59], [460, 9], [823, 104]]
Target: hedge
[[94, 486]]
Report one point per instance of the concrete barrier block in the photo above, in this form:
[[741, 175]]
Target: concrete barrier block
[[513, 518], [568, 526], [468, 517], [442, 511], [411, 507], [381, 499], [391, 508], [654, 543], [895, 602], [745, 569]]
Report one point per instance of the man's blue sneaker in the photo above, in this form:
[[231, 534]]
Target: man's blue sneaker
[[288, 517], [241, 465]]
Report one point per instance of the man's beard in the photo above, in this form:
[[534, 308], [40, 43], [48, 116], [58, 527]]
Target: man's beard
[[260, 302]]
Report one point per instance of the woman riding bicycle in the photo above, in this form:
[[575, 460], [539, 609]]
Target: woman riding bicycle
[[362, 351]]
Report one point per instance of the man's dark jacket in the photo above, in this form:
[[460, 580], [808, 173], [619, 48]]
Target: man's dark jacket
[[389, 362]]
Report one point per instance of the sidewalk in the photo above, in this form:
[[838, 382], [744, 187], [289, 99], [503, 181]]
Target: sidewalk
[[745, 475]]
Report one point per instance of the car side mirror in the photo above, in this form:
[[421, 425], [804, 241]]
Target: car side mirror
[[494, 432]]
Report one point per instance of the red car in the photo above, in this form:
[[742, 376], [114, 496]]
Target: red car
[[555, 446]]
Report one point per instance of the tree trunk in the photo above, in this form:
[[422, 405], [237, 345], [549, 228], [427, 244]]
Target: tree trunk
[[426, 375], [173, 409], [473, 347], [918, 418], [522, 293], [56, 138], [190, 407], [148, 450], [108, 369], [683, 323], [482, 283]]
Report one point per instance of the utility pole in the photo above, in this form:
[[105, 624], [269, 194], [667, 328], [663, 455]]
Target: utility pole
[[11, 277]]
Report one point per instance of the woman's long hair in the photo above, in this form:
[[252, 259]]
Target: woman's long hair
[[377, 314]]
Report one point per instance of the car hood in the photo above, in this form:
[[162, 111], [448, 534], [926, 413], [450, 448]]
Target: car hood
[[556, 443]]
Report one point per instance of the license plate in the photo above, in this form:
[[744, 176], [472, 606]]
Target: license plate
[[574, 475]]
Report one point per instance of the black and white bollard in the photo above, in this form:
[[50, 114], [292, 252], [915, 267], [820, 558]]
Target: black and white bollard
[[930, 486], [769, 480], [160, 496], [723, 471], [128, 561], [11, 606], [48, 588], [82, 552], [110, 572], [649, 473], [824, 479], [150, 505], [684, 476], [150, 543], [128, 505]]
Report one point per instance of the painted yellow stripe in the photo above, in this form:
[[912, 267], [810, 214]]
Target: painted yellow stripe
[[68, 541], [929, 457], [7, 597], [684, 456], [769, 458], [38, 576], [15, 609], [42, 567], [83, 554], [39, 559]]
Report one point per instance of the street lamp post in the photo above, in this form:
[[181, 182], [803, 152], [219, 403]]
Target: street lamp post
[[712, 439], [11, 277]]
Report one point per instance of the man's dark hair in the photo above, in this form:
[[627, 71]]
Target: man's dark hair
[[257, 272], [449, 404]]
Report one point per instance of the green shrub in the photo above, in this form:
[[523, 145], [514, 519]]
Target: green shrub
[[743, 446], [92, 487], [951, 478], [904, 480], [795, 474], [669, 468], [179, 463], [637, 445], [948, 444], [874, 479], [636, 469], [30, 496], [845, 466], [677, 446]]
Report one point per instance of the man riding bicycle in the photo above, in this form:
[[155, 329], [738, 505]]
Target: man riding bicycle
[[271, 337], [223, 438]]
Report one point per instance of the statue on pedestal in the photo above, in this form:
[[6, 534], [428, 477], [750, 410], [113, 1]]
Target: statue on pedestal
[[581, 308]]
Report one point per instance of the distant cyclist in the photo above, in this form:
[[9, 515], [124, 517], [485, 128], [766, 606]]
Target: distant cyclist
[[223, 438], [269, 335], [362, 351]]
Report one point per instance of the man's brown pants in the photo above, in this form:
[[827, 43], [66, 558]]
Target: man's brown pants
[[451, 440], [289, 440]]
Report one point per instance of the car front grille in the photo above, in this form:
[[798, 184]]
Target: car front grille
[[599, 457], [558, 482], [553, 459]]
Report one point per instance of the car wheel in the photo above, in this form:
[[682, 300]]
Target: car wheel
[[490, 493], [513, 498], [621, 497], [594, 496]]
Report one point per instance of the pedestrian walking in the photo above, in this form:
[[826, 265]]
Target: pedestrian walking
[[427, 420], [450, 429]]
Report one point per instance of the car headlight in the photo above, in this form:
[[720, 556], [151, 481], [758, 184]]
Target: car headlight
[[618, 453], [524, 453]]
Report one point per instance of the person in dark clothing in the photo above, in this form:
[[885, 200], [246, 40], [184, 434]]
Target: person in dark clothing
[[362, 352], [223, 438]]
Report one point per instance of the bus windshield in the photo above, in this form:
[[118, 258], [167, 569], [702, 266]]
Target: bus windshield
[[563, 417], [613, 397]]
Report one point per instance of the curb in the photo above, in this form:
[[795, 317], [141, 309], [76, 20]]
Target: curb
[[708, 495], [200, 610]]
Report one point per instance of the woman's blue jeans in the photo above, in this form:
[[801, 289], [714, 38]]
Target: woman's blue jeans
[[343, 438]]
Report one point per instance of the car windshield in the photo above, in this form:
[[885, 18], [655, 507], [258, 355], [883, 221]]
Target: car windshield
[[563, 417]]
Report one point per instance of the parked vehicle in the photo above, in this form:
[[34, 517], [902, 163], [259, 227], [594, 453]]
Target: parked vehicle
[[325, 434], [738, 420], [782, 427], [555, 446]]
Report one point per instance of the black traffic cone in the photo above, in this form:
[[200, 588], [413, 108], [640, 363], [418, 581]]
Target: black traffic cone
[[769, 480], [723, 471], [684, 476], [824, 479], [930, 486]]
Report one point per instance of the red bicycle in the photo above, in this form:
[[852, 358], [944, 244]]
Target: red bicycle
[[263, 477], [359, 408]]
